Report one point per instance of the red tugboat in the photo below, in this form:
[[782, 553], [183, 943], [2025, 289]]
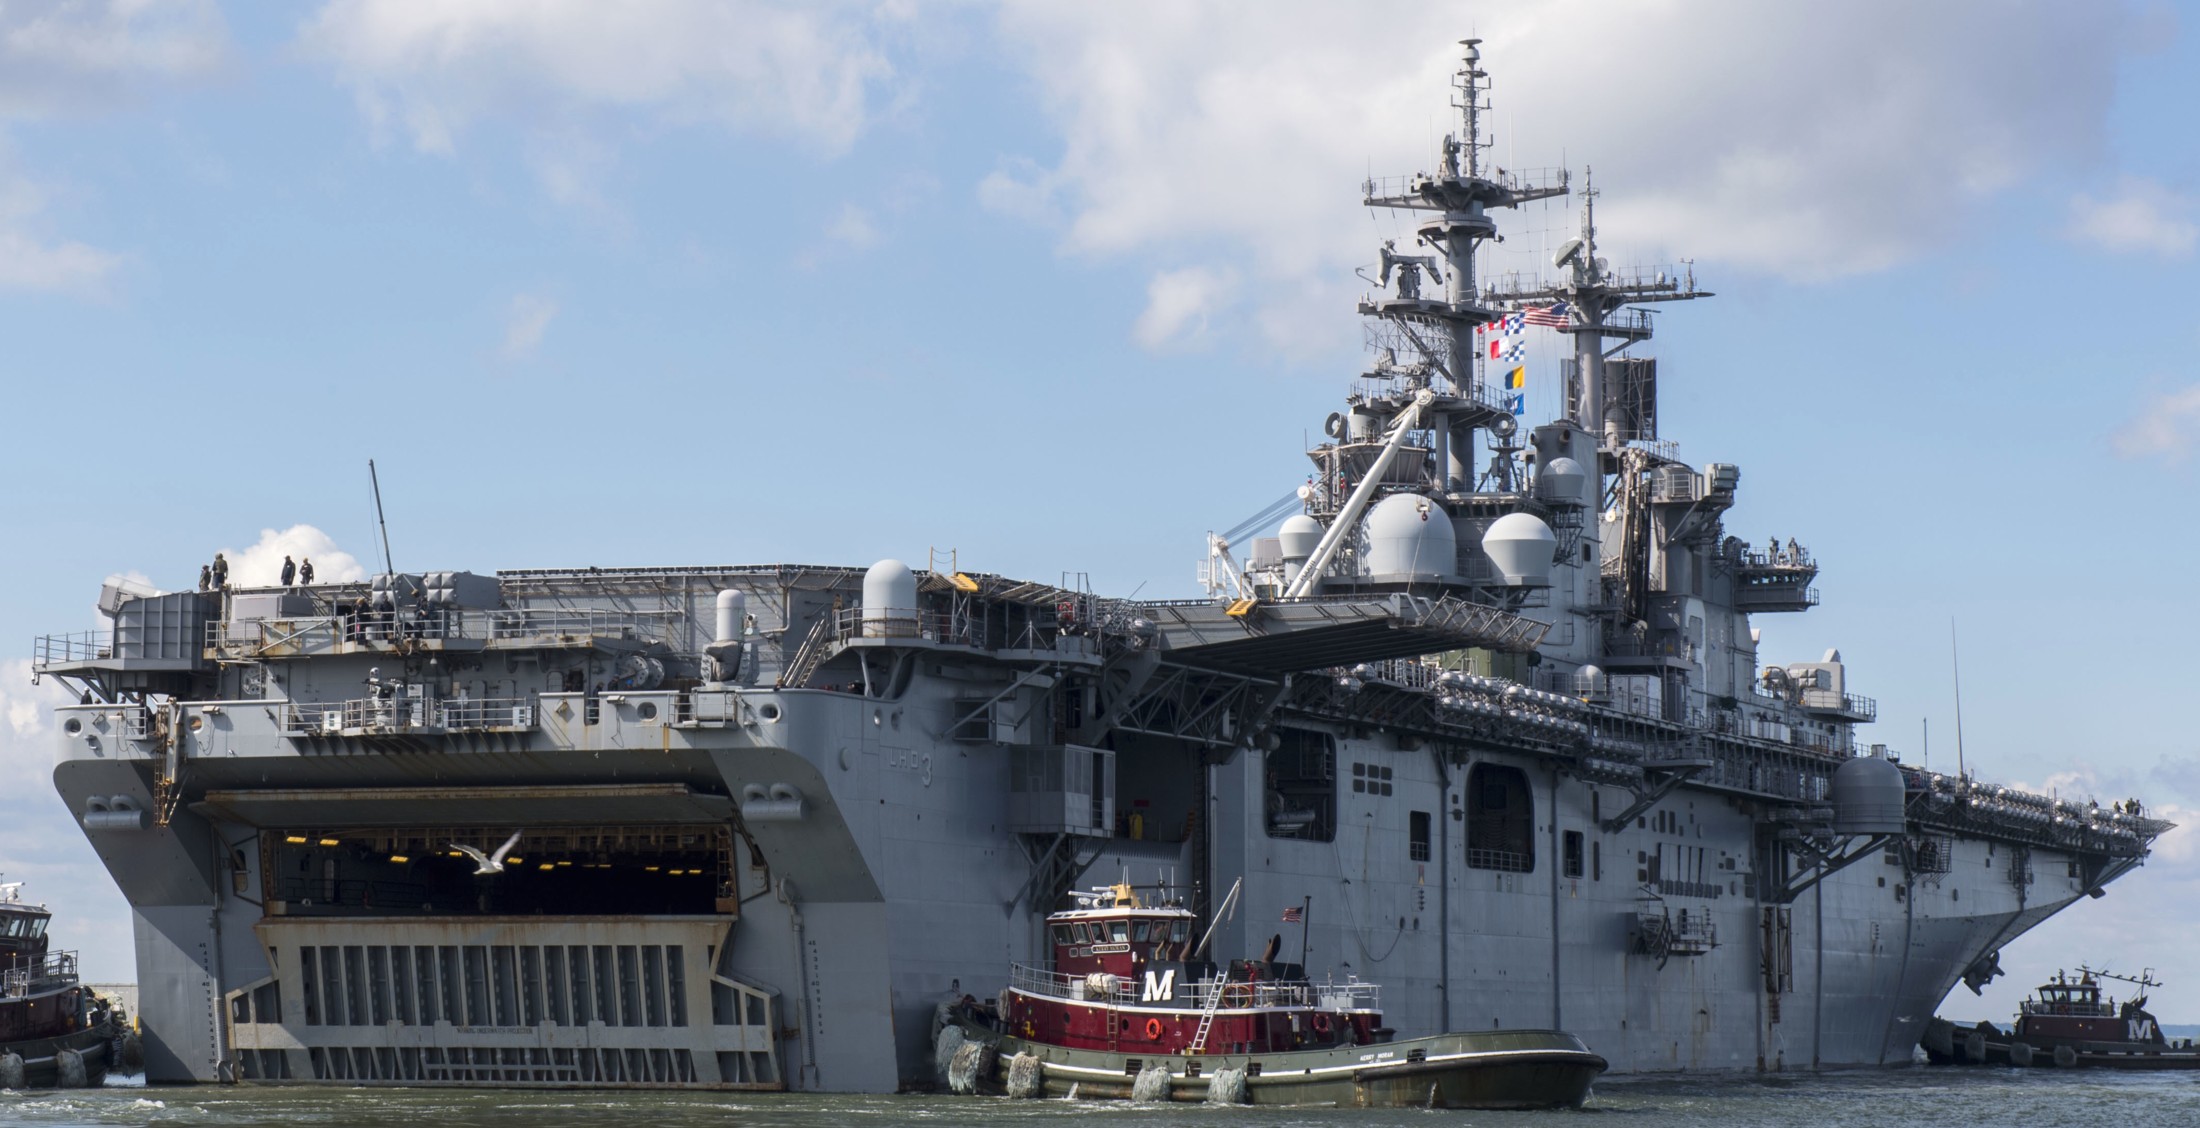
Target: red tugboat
[[1128, 1011], [54, 1032], [2067, 1024]]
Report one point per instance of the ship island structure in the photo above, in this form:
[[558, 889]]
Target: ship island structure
[[1488, 710]]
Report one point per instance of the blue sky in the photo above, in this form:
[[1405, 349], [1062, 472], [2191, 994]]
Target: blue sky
[[1062, 287]]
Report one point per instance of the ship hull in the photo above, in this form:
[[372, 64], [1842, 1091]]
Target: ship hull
[[893, 902], [42, 1060], [1517, 1069], [1946, 1043]]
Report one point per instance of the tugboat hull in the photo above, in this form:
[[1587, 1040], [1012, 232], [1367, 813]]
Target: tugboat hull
[[1946, 1043], [43, 1064], [1507, 1069]]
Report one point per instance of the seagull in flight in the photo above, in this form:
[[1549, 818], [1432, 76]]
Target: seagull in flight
[[489, 863]]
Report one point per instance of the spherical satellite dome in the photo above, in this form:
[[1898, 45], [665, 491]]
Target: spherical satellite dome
[[1410, 536], [1561, 480], [1521, 546], [1300, 535]]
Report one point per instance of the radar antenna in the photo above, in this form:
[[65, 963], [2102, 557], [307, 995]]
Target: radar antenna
[[1596, 302], [1423, 336], [2145, 978]]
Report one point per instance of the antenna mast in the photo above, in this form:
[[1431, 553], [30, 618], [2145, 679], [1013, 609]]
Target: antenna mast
[[376, 481], [1955, 664]]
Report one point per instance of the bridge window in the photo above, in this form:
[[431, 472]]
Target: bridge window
[[1302, 786], [1500, 819]]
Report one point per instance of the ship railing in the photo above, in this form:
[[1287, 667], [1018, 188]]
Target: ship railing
[[906, 622], [534, 622], [1505, 861], [1376, 189], [1846, 704], [1080, 988], [1236, 993], [69, 649], [2080, 1010], [252, 636], [27, 976], [403, 713], [1798, 560]]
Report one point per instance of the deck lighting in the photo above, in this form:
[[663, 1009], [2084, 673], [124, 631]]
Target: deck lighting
[[295, 839], [399, 859], [328, 842]]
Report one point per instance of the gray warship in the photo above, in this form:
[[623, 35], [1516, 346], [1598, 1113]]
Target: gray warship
[[1487, 709]]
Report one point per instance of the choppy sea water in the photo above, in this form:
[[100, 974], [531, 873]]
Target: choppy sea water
[[1941, 1098]]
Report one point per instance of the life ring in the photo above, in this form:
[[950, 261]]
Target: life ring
[[1244, 994], [1321, 1023], [1153, 1029]]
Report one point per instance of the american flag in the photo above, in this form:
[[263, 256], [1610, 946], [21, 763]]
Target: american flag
[[1293, 915], [1551, 316]]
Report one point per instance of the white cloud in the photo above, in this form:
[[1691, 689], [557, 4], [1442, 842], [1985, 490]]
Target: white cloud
[[35, 262], [72, 59], [1179, 304], [261, 563], [2143, 215], [524, 324], [1805, 142], [2166, 428], [1021, 189], [58, 266], [853, 226], [65, 58], [553, 67]]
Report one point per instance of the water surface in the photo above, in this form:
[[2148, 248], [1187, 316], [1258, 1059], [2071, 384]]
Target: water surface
[[1942, 1098]]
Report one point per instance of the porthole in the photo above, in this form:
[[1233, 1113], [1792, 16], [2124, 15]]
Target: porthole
[[72, 726], [647, 710], [768, 712]]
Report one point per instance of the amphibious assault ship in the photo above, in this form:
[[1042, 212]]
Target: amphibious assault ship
[[1488, 710]]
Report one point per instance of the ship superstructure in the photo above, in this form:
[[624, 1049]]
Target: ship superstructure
[[1488, 708]]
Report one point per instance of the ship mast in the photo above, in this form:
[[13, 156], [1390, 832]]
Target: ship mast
[[1596, 297], [1435, 334]]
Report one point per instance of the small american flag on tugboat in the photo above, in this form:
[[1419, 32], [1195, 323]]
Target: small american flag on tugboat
[[1293, 915]]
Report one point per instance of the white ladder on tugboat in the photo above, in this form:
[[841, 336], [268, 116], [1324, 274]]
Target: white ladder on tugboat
[[1207, 1017]]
